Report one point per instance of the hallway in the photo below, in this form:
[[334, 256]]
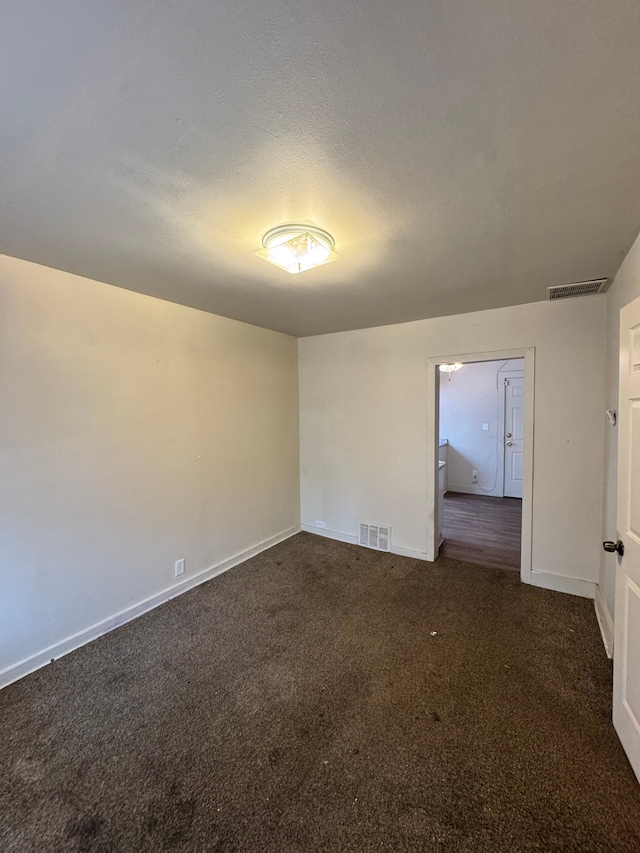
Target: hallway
[[482, 530]]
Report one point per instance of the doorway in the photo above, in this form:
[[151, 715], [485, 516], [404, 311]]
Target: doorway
[[481, 461], [480, 421]]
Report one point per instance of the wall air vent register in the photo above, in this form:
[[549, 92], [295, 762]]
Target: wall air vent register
[[579, 288], [375, 536]]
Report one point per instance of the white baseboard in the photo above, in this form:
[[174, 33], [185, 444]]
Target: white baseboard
[[330, 534], [471, 490], [353, 540], [408, 552], [604, 621], [58, 650], [562, 583]]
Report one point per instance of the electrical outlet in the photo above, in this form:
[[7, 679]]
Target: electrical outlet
[[319, 523], [474, 476], [485, 427], [180, 567]]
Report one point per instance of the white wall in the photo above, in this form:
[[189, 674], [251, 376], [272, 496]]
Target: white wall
[[133, 432], [363, 426], [624, 289], [469, 399]]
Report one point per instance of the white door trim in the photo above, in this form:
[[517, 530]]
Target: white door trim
[[433, 416]]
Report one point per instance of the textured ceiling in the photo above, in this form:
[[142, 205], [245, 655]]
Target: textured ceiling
[[465, 155]]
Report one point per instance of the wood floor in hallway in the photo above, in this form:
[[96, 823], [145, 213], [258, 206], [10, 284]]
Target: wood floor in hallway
[[482, 530]]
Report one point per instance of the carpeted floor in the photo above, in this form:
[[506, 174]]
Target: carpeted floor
[[323, 697]]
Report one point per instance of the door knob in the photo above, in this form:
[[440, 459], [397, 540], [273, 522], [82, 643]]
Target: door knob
[[612, 547], [509, 443], [509, 435]]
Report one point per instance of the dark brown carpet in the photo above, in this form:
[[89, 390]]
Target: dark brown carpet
[[323, 697]]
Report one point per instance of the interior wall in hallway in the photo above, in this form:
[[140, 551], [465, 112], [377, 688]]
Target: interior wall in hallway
[[469, 399]]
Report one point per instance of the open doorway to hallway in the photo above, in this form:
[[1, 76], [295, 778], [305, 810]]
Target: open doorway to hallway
[[481, 461]]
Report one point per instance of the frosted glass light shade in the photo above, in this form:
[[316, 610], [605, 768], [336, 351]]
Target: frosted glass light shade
[[296, 248]]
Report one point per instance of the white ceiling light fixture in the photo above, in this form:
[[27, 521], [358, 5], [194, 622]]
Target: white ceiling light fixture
[[296, 248], [450, 368]]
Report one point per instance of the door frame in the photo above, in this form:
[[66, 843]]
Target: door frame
[[433, 429]]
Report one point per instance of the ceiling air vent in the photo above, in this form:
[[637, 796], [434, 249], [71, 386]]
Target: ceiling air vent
[[375, 536], [580, 288]]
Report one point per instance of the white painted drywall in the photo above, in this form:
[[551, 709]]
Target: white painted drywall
[[363, 425], [624, 289], [470, 398], [133, 432]]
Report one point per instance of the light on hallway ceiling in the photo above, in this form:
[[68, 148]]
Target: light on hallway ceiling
[[296, 248], [450, 368]]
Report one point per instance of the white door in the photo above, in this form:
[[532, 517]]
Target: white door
[[513, 436], [626, 668]]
